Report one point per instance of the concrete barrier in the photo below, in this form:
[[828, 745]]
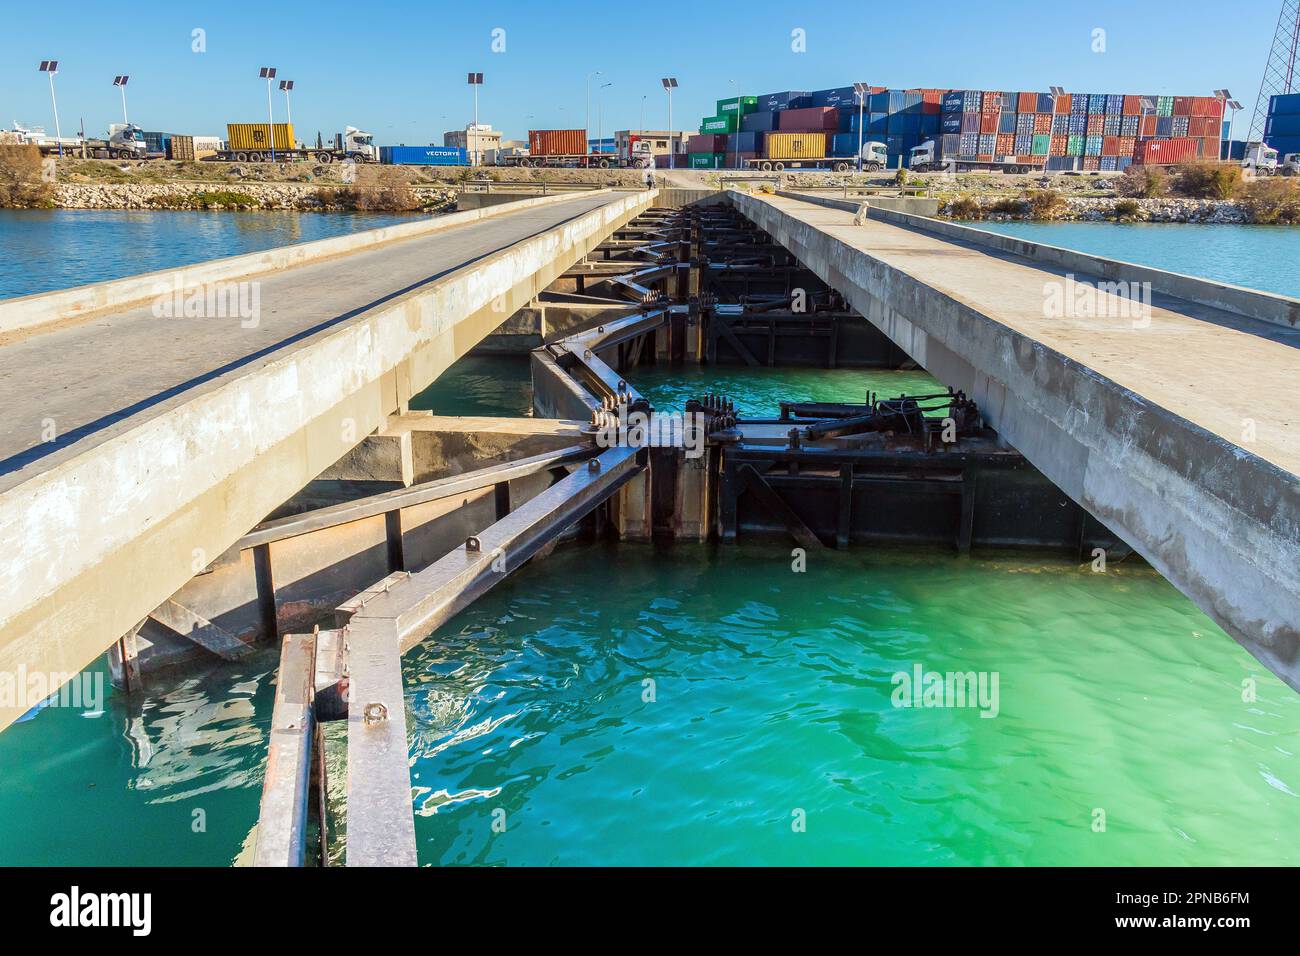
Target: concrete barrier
[[29, 312], [1266, 306], [101, 539]]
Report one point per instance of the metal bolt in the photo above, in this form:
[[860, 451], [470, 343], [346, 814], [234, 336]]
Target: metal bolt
[[374, 713], [593, 465], [472, 545]]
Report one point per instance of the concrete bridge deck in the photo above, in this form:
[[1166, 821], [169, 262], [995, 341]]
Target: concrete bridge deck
[[1175, 426], [136, 447]]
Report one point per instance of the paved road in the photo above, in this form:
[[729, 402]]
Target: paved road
[[89, 381]]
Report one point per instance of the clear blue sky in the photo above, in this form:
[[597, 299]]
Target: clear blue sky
[[398, 69]]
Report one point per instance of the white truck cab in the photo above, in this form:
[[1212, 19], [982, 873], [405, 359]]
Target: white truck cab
[[1260, 159]]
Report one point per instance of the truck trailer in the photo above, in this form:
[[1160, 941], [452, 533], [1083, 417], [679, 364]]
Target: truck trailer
[[252, 143], [875, 157], [124, 141], [929, 158], [568, 147]]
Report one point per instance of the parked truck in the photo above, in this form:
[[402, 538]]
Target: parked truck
[[124, 141], [875, 157], [252, 143], [568, 147], [929, 158], [1264, 161]]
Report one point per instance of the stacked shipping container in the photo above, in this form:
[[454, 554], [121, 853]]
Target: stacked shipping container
[[1090, 131], [1282, 129]]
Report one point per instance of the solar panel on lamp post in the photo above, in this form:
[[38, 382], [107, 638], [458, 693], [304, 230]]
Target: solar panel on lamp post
[[268, 73], [120, 83], [287, 85], [670, 84], [51, 67]]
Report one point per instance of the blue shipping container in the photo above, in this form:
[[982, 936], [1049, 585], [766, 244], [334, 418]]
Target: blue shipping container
[[1287, 104], [1285, 145], [761, 122], [1280, 124], [422, 155], [844, 144], [787, 100], [744, 142], [841, 96], [951, 122], [952, 102]]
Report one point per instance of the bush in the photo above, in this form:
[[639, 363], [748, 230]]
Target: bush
[[965, 206], [1045, 204], [1008, 206], [1143, 182], [900, 177], [21, 181], [1126, 209], [205, 199], [1207, 180], [1271, 201]]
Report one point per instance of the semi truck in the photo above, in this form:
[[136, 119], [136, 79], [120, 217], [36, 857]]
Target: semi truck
[[875, 157], [928, 158], [568, 147], [252, 142], [124, 141], [1264, 161]]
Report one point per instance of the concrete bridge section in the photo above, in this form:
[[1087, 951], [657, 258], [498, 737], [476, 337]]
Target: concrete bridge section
[[1173, 424], [140, 443]]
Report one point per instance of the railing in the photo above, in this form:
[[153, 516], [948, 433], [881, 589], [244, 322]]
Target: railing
[[487, 185]]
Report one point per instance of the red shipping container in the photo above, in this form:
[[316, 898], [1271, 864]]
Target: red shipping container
[[1132, 104], [988, 122], [1063, 103], [1149, 124], [1091, 163], [1059, 145], [1006, 143], [557, 142], [1096, 124], [1207, 106], [1127, 144], [813, 119], [1027, 103], [992, 102], [1042, 123], [1183, 105], [983, 157], [1110, 146], [701, 143], [1165, 152]]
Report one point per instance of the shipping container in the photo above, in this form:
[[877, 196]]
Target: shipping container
[[989, 123], [1042, 144], [1096, 104], [991, 102], [815, 118], [950, 122], [788, 100], [557, 142], [1132, 104], [953, 101], [737, 160], [1282, 124], [719, 124], [841, 97], [1164, 152], [747, 104], [1059, 145], [1114, 104], [1285, 145], [1112, 125], [801, 145], [1182, 106], [744, 142], [707, 143], [257, 136], [970, 122], [1064, 103], [193, 148], [705, 160], [763, 121], [1006, 143], [1286, 104], [422, 156]]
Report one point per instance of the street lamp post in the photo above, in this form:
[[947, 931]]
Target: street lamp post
[[1056, 92], [670, 84], [475, 80], [860, 91], [600, 114], [1230, 104], [287, 85], [586, 122], [51, 67], [268, 73], [120, 83]]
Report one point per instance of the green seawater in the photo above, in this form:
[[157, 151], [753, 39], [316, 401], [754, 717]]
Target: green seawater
[[1130, 729]]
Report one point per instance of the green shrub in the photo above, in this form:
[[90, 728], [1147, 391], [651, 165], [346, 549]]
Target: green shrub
[[1045, 204], [1202, 179], [1143, 182], [21, 181], [1008, 206], [1272, 201], [965, 206], [1126, 209]]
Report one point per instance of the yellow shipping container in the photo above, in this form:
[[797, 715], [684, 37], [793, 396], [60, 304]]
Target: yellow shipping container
[[795, 145], [255, 136]]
